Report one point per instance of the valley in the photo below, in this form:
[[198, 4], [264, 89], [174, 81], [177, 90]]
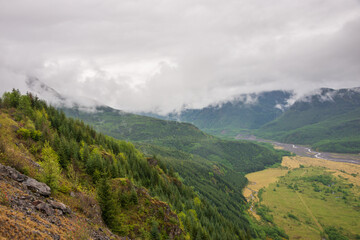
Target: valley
[[305, 151]]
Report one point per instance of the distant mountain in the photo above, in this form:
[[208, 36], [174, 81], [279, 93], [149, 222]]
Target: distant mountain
[[244, 112], [228, 118], [328, 119], [44, 91], [53, 97]]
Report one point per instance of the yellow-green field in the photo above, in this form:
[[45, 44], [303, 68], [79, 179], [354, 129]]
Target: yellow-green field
[[309, 197]]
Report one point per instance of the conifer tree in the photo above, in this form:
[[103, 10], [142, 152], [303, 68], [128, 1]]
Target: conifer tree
[[134, 197], [106, 202], [51, 167]]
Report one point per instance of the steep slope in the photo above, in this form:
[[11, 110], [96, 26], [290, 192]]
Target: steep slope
[[138, 197], [27, 213], [328, 120]]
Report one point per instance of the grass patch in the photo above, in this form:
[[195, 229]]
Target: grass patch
[[316, 200]]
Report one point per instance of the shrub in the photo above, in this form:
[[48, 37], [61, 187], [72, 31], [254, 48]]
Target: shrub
[[334, 234], [35, 135], [290, 215], [23, 133], [26, 133]]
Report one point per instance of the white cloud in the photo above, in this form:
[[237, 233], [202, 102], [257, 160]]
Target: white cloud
[[164, 55]]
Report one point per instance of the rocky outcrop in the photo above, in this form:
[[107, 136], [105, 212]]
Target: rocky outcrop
[[30, 212], [12, 173], [38, 187], [49, 207], [29, 182]]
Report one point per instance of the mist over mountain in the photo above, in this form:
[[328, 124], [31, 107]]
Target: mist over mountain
[[325, 118], [328, 120], [244, 112], [53, 97]]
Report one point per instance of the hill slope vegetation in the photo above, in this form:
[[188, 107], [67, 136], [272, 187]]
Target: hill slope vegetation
[[214, 167], [138, 197]]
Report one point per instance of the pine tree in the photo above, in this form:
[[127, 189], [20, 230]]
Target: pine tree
[[134, 197], [107, 202]]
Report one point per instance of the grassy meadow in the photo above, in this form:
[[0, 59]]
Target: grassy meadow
[[309, 198]]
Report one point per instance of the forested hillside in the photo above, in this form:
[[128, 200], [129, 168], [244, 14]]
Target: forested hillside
[[185, 137], [138, 197], [214, 167]]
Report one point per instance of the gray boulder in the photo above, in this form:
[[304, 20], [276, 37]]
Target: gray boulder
[[46, 208], [37, 187], [60, 206]]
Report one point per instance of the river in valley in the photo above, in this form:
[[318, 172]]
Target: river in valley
[[305, 151]]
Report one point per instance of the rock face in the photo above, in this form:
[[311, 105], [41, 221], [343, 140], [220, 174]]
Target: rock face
[[38, 187], [12, 173], [30, 213], [30, 183]]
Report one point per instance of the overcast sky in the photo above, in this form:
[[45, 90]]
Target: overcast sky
[[161, 55]]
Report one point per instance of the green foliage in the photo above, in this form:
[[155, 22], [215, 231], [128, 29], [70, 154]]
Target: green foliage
[[134, 197], [264, 213], [11, 99], [155, 234], [290, 215], [25, 105], [334, 234], [51, 168], [326, 180], [23, 133], [29, 133], [107, 203]]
